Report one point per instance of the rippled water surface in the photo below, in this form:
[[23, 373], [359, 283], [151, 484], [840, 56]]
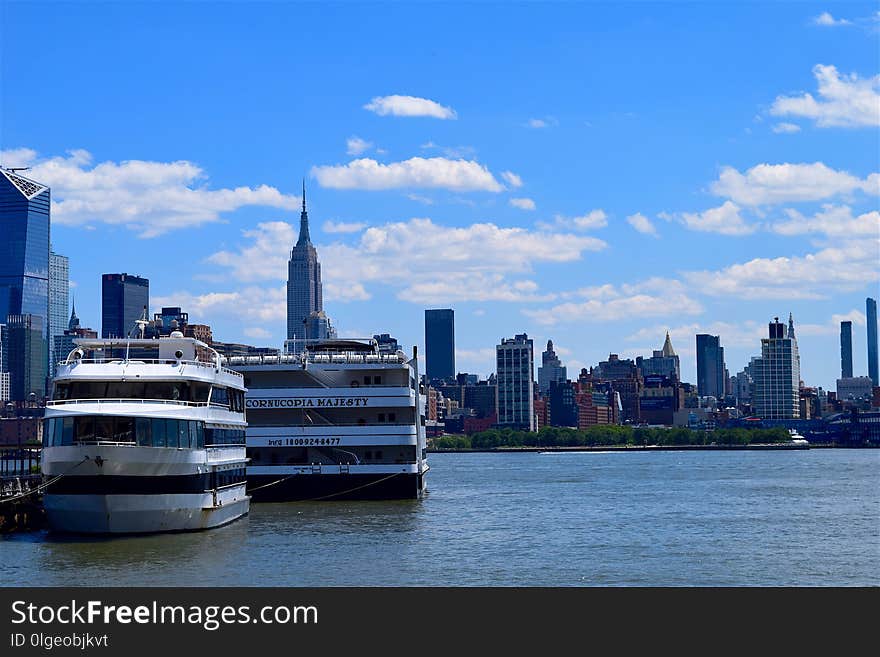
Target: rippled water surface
[[803, 518]]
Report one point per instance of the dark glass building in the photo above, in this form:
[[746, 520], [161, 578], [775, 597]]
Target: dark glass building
[[123, 300], [24, 273], [846, 368], [710, 366], [304, 290], [440, 344], [26, 352], [871, 308]]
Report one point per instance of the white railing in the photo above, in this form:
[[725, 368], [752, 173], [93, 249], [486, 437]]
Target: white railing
[[176, 402], [151, 361]]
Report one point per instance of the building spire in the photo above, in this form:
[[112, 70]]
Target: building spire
[[790, 325], [304, 222], [667, 347], [74, 320]]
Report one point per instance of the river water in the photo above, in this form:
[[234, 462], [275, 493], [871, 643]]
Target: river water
[[668, 518]]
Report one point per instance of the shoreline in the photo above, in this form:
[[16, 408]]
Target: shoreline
[[647, 448]]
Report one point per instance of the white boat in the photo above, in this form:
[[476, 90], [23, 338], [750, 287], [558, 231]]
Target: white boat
[[338, 420], [797, 439], [144, 436]]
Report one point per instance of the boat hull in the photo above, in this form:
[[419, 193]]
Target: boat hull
[[307, 487], [142, 514]]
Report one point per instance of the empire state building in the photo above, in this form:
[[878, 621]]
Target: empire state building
[[304, 297]]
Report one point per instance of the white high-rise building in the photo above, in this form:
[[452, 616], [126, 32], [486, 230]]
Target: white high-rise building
[[515, 366], [776, 374]]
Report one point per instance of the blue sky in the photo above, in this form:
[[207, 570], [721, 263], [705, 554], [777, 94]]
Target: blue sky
[[590, 173]]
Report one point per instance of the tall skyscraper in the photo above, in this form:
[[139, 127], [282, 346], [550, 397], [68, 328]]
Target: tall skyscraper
[[710, 366], [24, 277], [551, 370], [776, 375], [123, 299], [515, 365], [59, 301], [871, 312], [304, 293], [440, 344], [846, 369]]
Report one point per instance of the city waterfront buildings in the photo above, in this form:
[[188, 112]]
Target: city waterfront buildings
[[846, 351], [663, 362], [124, 298], [776, 375], [440, 344], [26, 346], [304, 287], [710, 366], [516, 382]]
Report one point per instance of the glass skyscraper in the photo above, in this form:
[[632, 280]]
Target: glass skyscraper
[[440, 344], [776, 375], [846, 366], [24, 278], [304, 291], [59, 301], [123, 299], [710, 366], [871, 308]]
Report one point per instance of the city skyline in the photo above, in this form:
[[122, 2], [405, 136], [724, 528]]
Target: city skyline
[[515, 209]]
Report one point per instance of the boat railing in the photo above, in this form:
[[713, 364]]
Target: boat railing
[[317, 359], [137, 400], [106, 443], [151, 361]]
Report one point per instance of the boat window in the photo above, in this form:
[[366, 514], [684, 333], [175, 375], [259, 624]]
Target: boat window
[[199, 391], [57, 429], [143, 432], [392, 417], [193, 434], [200, 435], [67, 431], [62, 390], [171, 435], [159, 439], [368, 380], [84, 430], [103, 428], [123, 430], [219, 395], [183, 434]]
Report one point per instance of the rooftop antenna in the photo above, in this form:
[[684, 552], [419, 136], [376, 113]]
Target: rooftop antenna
[[140, 324]]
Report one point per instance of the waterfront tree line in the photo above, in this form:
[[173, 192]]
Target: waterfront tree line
[[610, 435]]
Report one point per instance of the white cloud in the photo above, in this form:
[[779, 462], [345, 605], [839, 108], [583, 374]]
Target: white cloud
[[489, 261], [845, 100], [546, 122], [355, 145], [512, 179], [435, 172], [409, 106], [268, 305], [725, 220], [652, 297], [832, 326], [832, 220], [257, 332], [845, 267], [425, 200], [619, 307], [642, 224], [343, 227], [781, 183], [151, 198], [589, 221], [523, 203], [827, 20], [786, 128]]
